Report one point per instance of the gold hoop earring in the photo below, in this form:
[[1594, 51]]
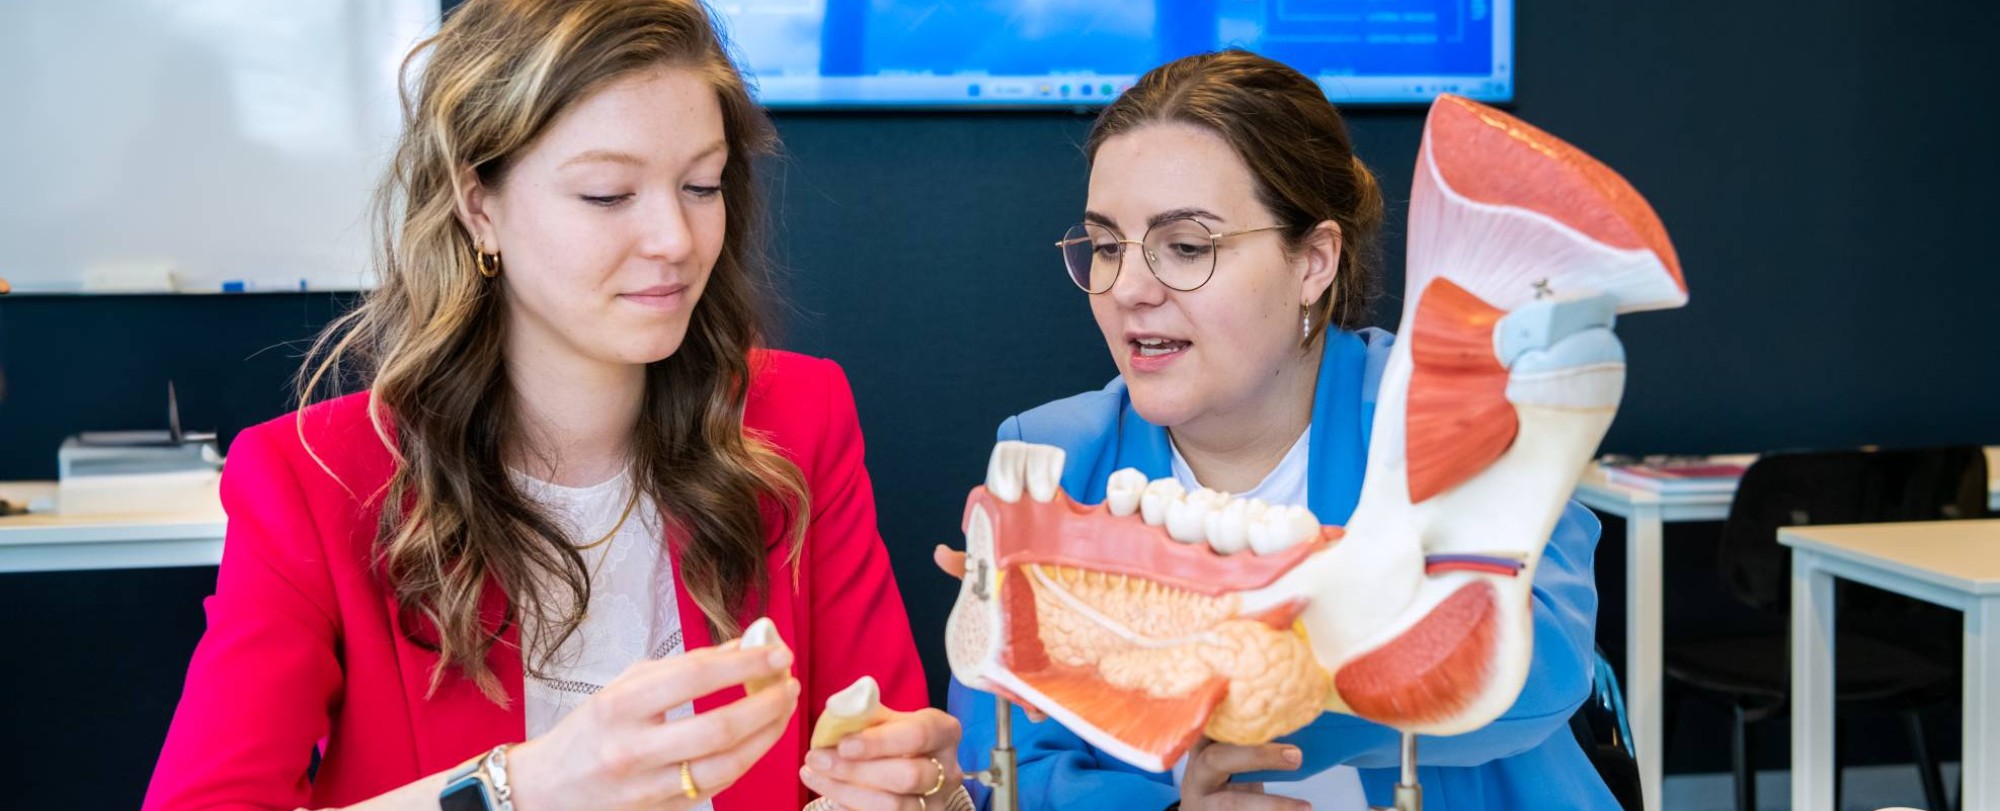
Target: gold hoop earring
[[488, 263]]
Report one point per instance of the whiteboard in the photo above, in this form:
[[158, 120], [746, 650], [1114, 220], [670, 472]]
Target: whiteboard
[[155, 145]]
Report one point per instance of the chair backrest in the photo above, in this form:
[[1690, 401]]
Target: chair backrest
[[1804, 488]]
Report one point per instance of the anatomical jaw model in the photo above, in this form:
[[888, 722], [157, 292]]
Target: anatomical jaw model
[[1159, 616]]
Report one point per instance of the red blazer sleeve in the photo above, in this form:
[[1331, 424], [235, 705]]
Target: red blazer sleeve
[[857, 619], [266, 672]]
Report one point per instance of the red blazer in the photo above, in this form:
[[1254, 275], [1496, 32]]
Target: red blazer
[[302, 644]]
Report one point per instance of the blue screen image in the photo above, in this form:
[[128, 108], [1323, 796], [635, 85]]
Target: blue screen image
[[1024, 53]]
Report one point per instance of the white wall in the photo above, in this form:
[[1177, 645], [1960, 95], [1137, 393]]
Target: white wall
[[209, 139]]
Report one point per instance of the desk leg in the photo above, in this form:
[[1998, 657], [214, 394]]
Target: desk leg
[[1644, 670], [1812, 683], [1982, 705]]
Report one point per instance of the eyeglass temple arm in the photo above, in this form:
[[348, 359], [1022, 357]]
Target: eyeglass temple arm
[[1249, 231]]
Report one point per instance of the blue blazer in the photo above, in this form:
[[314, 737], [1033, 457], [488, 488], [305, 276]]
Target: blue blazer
[[1527, 759]]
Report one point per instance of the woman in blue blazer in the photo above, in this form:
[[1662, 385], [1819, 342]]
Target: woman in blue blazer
[[1243, 368]]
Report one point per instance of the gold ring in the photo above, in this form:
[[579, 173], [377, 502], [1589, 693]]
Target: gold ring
[[940, 782], [687, 783]]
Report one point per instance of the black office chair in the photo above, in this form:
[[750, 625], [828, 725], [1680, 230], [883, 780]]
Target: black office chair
[[1604, 732], [1893, 654]]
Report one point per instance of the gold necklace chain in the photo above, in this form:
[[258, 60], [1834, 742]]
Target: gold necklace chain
[[630, 503]]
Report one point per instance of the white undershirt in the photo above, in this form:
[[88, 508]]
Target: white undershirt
[[633, 612], [1338, 788]]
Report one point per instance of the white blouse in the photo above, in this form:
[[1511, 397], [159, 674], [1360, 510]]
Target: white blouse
[[633, 613]]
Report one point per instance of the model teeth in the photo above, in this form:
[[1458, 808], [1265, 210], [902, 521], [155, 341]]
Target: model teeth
[[762, 634], [1281, 528], [1228, 527], [1259, 532], [1044, 469], [1123, 491], [849, 711], [1187, 518], [1006, 471], [859, 698], [1304, 526], [1154, 500]]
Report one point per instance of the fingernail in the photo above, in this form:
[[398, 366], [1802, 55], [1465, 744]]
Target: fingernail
[[1292, 756], [794, 687], [819, 760], [780, 657], [806, 774]]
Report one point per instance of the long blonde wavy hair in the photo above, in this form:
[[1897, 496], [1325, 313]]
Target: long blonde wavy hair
[[427, 342]]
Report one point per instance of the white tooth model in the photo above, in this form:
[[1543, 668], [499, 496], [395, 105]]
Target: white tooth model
[[762, 634], [1202, 614], [1123, 491], [1158, 497], [849, 711]]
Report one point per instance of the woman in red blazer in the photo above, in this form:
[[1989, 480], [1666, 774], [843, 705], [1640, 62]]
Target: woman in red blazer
[[415, 592]]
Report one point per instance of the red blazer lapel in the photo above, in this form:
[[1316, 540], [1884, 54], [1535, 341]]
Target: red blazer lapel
[[458, 721], [773, 783]]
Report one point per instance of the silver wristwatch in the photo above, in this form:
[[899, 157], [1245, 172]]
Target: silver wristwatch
[[479, 785]]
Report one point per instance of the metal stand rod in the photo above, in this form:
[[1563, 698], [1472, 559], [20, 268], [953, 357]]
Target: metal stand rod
[[1409, 795], [1001, 776]]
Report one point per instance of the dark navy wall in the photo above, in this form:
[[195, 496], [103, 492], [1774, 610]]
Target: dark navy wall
[[1825, 170]]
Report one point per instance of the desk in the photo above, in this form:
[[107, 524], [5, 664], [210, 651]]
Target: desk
[[1645, 513], [44, 542], [1955, 564]]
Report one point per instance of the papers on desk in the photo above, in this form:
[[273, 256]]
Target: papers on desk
[[141, 494], [1678, 474], [133, 473]]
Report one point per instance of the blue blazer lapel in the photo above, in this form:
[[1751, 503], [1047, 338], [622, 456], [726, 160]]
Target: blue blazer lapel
[[1342, 416], [1143, 445]]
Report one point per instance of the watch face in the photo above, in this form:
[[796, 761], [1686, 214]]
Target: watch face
[[467, 793]]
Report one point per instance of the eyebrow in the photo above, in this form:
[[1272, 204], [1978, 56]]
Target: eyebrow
[[1178, 213], [1156, 219], [629, 159], [603, 156]]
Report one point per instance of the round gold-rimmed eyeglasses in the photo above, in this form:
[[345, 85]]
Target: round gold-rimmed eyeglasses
[[1180, 252]]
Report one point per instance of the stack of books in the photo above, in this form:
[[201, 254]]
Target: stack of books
[[1678, 474]]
